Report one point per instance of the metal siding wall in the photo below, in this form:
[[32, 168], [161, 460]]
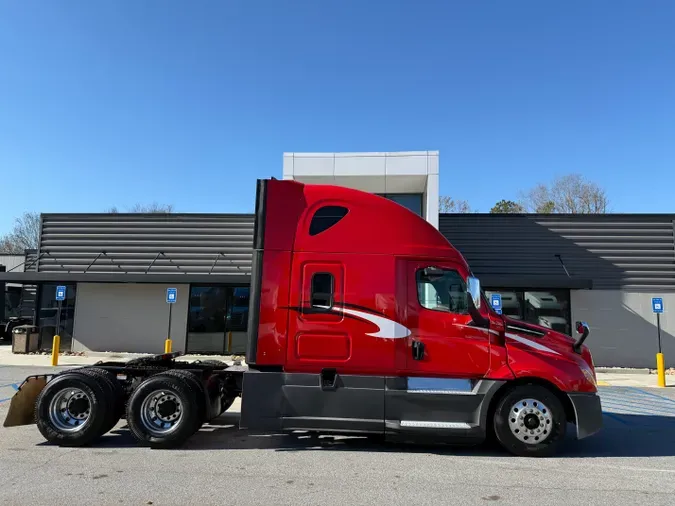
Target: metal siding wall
[[631, 252], [190, 243], [13, 262], [128, 317], [623, 327]]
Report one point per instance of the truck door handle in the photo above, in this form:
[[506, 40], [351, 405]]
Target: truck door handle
[[417, 350]]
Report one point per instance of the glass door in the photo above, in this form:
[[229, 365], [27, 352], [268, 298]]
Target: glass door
[[48, 322], [237, 321], [207, 319]]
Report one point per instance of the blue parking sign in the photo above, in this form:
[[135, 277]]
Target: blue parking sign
[[496, 302], [171, 295], [657, 304], [60, 293]]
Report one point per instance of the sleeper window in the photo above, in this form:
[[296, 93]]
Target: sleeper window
[[325, 218], [444, 290], [323, 286]]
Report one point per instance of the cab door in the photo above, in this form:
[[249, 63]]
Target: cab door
[[323, 389], [444, 340]]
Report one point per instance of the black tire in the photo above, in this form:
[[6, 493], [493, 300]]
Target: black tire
[[114, 391], [516, 408], [139, 420], [197, 388], [98, 413]]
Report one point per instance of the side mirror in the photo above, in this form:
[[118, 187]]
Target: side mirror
[[473, 290]]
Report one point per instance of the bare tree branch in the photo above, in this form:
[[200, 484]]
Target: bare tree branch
[[24, 235], [152, 208], [144, 208], [570, 194], [450, 205]]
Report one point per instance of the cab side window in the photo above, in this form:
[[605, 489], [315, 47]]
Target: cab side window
[[442, 290], [323, 290]]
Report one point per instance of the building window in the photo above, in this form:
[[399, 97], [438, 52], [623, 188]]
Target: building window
[[442, 290], [323, 285], [237, 309], [326, 217], [12, 301], [411, 201], [217, 319], [548, 308], [207, 309]]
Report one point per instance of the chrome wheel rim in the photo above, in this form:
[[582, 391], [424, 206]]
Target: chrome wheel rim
[[70, 409], [530, 421], [161, 412]]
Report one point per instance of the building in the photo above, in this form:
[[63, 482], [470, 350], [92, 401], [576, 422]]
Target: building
[[550, 269], [19, 300]]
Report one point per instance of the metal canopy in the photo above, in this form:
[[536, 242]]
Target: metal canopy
[[543, 282]]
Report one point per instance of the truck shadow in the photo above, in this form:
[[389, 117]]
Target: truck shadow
[[622, 436]]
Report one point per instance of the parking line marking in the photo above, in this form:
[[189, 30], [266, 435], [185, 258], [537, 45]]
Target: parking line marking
[[615, 418], [653, 394], [604, 384]]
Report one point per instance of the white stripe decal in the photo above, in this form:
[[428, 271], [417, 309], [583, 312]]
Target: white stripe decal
[[386, 328], [531, 344]]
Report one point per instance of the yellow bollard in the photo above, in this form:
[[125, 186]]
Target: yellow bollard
[[229, 342], [56, 344], [661, 369], [167, 346]]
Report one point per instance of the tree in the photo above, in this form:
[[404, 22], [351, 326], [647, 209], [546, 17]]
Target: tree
[[148, 209], [450, 205], [570, 194], [507, 206], [24, 235]]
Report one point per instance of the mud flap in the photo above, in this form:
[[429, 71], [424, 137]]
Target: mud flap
[[22, 407]]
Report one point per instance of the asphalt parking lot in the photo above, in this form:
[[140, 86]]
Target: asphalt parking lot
[[632, 461]]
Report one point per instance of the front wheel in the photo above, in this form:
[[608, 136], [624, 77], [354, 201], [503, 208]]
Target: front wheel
[[530, 421]]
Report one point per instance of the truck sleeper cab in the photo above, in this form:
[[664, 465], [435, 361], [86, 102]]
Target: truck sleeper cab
[[363, 319]]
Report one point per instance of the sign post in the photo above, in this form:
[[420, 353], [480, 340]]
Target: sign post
[[657, 307], [496, 302], [171, 297], [56, 343]]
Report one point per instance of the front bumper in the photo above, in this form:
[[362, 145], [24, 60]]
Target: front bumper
[[587, 412]]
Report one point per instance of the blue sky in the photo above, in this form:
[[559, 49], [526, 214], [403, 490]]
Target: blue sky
[[124, 102]]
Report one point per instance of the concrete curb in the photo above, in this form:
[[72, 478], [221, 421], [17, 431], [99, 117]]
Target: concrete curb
[[621, 370]]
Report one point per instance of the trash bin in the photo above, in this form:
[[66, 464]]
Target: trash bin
[[25, 339]]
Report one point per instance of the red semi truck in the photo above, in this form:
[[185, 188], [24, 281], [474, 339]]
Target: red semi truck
[[363, 319]]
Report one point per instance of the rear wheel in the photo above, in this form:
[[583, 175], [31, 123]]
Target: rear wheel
[[197, 387], [163, 411], [114, 394], [530, 421], [72, 410]]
